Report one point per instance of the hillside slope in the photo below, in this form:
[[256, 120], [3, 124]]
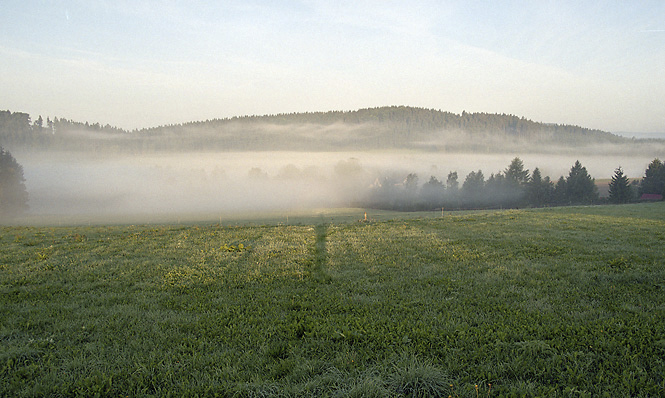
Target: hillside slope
[[392, 127]]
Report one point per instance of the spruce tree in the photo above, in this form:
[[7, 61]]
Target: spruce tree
[[539, 189], [620, 189], [516, 180], [516, 173], [560, 196], [580, 187], [653, 181]]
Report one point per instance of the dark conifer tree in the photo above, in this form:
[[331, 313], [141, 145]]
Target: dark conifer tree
[[620, 189], [560, 196], [516, 178], [653, 181], [516, 173], [580, 187], [539, 189]]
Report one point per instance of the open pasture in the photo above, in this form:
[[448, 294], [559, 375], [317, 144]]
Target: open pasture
[[548, 302]]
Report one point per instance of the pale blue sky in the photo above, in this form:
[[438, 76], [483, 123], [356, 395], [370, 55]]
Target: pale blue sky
[[142, 63]]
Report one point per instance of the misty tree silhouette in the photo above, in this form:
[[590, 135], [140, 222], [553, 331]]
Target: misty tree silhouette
[[13, 194]]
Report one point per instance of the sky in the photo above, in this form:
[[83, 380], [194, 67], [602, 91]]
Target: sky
[[145, 63]]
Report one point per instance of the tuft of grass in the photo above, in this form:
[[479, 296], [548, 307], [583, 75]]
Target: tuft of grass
[[417, 378]]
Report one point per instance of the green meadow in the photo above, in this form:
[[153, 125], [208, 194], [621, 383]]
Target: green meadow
[[558, 302]]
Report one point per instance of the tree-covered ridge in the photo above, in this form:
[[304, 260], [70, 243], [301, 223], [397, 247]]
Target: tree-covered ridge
[[18, 131], [389, 127], [394, 126]]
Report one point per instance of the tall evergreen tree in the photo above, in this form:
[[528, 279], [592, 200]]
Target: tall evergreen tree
[[580, 187], [516, 173], [620, 189], [539, 189], [13, 195], [516, 179], [560, 195], [653, 181]]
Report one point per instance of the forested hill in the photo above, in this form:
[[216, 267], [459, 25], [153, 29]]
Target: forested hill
[[365, 129]]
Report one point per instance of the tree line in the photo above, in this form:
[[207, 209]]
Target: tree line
[[513, 187], [372, 128]]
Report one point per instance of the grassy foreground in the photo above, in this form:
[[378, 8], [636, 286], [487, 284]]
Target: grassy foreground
[[549, 302]]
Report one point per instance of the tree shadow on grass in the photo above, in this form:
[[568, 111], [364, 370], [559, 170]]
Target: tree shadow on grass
[[320, 259]]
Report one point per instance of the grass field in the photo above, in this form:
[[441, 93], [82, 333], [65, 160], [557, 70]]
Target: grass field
[[544, 302]]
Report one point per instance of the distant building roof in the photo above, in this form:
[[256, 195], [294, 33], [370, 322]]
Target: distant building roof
[[651, 196]]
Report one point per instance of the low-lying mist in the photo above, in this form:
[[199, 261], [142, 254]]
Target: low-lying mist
[[69, 184]]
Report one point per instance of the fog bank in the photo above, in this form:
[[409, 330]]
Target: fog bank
[[75, 184]]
